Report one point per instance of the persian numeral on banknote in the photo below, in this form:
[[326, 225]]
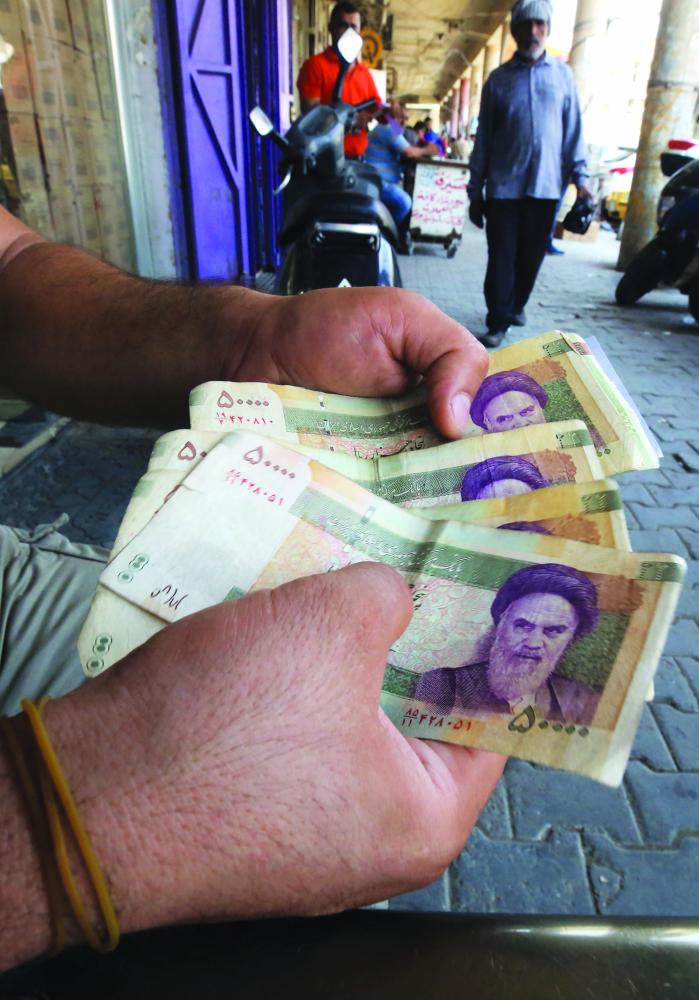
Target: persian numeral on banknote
[[522, 643]]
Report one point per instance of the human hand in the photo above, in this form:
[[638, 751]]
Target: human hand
[[584, 192], [476, 212], [365, 342], [238, 765]]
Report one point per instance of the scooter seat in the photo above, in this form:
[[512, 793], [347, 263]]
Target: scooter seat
[[336, 206]]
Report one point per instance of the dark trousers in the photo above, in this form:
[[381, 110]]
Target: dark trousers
[[518, 231]]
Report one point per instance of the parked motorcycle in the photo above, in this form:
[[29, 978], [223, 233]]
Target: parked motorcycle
[[672, 257], [335, 228]]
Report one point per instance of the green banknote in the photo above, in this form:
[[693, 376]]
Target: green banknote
[[476, 468], [546, 379], [582, 512], [520, 642]]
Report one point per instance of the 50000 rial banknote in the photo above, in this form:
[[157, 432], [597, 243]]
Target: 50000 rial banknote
[[531, 645], [547, 379]]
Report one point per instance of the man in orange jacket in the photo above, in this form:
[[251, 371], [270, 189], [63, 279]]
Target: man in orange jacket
[[318, 75]]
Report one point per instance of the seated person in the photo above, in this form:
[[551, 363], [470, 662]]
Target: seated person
[[386, 152]]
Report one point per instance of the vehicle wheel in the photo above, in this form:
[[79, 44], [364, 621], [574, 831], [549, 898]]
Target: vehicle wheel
[[643, 274], [694, 300], [451, 250]]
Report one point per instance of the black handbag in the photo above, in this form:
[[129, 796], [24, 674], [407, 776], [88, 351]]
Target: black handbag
[[580, 216]]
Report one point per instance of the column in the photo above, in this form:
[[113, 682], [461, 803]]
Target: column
[[669, 111], [464, 101], [587, 60], [492, 53], [474, 103]]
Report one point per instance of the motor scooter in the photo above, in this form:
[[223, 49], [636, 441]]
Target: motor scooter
[[335, 228], [672, 256]]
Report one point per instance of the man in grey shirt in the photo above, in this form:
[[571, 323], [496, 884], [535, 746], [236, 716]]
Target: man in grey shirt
[[529, 145]]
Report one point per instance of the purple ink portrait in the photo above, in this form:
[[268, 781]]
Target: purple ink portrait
[[538, 613], [504, 476], [508, 400]]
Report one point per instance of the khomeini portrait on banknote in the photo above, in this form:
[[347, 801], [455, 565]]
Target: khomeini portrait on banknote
[[538, 613], [508, 400], [502, 476]]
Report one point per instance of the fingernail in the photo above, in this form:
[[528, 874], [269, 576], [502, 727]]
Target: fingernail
[[461, 409]]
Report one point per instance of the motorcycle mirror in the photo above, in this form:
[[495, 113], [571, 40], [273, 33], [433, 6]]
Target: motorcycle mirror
[[349, 45], [260, 122]]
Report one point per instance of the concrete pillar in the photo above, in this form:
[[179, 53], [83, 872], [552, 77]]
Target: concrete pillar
[[587, 60], [492, 53], [474, 103], [669, 111], [454, 117], [506, 39], [464, 101]]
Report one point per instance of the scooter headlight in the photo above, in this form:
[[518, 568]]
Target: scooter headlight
[[667, 202]]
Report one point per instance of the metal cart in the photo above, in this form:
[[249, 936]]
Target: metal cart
[[439, 203]]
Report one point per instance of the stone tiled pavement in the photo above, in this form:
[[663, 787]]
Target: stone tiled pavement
[[547, 842], [555, 843]]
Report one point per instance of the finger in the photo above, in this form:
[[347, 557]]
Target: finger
[[466, 775], [354, 614], [451, 360]]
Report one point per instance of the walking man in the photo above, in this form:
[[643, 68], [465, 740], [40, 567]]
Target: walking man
[[529, 142]]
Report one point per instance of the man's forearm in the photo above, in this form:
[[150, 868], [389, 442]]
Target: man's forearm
[[83, 338]]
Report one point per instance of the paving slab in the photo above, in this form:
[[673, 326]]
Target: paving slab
[[689, 665], [504, 876], [542, 799], [633, 882], [681, 731], [434, 898], [650, 746], [496, 819], [672, 685], [667, 805]]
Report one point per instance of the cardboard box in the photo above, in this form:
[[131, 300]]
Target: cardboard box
[[87, 219], [35, 211], [46, 75], [65, 218], [14, 74], [105, 87], [73, 95], [80, 158], [96, 26], [84, 74], [25, 149], [103, 143], [48, 18], [54, 145], [78, 25], [113, 213]]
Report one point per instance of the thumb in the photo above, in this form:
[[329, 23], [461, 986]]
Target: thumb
[[356, 614], [449, 358]]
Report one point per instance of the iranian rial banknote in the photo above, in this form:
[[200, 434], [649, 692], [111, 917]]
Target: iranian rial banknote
[[541, 380], [493, 465], [583, 512], [523, 643], [475, 468]]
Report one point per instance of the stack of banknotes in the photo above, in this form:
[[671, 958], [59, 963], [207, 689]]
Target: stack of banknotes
[[536, 629]]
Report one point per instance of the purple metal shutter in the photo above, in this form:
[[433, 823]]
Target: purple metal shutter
[[215, 135]]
